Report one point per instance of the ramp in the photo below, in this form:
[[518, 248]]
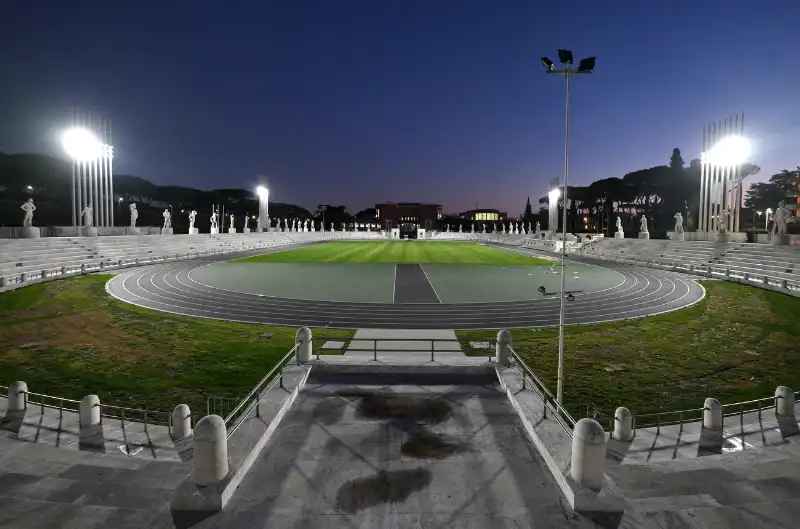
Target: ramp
[[415, 456]]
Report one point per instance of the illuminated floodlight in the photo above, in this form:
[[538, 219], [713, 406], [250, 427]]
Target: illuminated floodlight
[[730, 151], [554, 194], [262, 192], [81, 145]]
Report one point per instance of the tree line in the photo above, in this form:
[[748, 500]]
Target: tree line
[[659, 193]]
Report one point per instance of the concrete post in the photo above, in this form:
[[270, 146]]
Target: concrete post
[[23, 277], [210, 451], [588, 454], [181, 422], [623, 425], [303, 337], [89, 411], [712, 415], [83, 268], [3, 282], [18, 396], [502, 355], [784, 402]]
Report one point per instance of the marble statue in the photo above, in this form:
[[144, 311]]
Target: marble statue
[[504, 228], [678, 222], [313, 226], [192, 217], [484, 227], [460, 228], [87, 216], [529, 226], [643, 225], [232, 218], [472, 229], [447, 229], [780, 218], [722, 226], [28, 208], [246, 220], [619, 225], [344, 226], [305, 225], [167, 219], [494, 227], [134, 214], [214, 220], [538, 226]]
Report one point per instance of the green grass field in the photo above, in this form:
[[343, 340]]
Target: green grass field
[[738, 344], [421, 252], [69, 338]]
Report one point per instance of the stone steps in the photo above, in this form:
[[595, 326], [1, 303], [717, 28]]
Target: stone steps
[[16, 513]]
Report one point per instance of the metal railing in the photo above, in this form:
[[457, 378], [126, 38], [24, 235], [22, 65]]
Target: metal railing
[[355, 345], [107, 411], [252, 400], [549, 401]]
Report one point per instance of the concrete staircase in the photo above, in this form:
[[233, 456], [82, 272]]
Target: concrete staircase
[[751, 489], [47, 487]]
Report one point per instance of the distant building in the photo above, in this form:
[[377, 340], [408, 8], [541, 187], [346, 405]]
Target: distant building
[[408, 215], [484, 215]]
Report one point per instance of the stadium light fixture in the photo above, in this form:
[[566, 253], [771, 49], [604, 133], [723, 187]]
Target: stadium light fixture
[[82, 145], [262, 192], [585, 66], [729, 152], [554, 194]]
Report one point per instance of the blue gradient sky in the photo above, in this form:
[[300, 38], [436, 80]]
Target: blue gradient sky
[[361, 101]]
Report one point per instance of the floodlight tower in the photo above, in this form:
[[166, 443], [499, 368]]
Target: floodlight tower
[[567, 71], [263, 207]]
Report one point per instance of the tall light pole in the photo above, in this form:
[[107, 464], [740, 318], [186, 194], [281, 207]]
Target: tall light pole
[[585, 66], [263, 206]]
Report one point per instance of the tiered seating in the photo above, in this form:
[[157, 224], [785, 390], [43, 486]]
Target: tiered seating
[[19, 256], [763, 265]]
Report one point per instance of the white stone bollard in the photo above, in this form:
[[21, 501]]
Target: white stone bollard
[[588, 454], [210, 451], [623, 425], [89, 411], [181, 422], [784, 402], [502, 354], [304, 350], [712, 415], [18, 396]]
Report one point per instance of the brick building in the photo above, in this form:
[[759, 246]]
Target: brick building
[[408, 215]]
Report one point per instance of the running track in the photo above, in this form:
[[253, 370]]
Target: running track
[[169, 288]]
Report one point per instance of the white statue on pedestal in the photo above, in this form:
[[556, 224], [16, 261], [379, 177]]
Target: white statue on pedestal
[[780, 218], [232, 220], [214, 221], [619, 225], [643, 225], [246, 220], [538, 226], [722, 222], [678, 222], [504, 228], [87, 216], [460, 230], [192, 217], [134, 214], [28, 208], [269, 223], [494, 227], [167, 219]]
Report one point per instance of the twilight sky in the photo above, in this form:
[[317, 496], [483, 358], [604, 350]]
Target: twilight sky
[[362, 101]]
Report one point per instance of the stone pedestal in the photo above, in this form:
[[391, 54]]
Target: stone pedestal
[[724, 237], [194, 231], [88, 232], [645, 235], [133, 231], [783, 239], [166, 231], [677, 237], [231, 230], [214, 231], [619, 235], [245, 230], [31, 232]]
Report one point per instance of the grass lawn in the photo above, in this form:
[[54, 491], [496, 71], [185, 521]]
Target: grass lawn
[[739, 343], [398, 252], [69, 338]]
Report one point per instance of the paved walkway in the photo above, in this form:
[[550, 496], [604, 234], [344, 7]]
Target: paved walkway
[[408, 347]]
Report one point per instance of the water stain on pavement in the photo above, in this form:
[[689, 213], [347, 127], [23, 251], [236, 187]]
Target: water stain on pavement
[[406, 407], [427, 445], [384, 487]]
